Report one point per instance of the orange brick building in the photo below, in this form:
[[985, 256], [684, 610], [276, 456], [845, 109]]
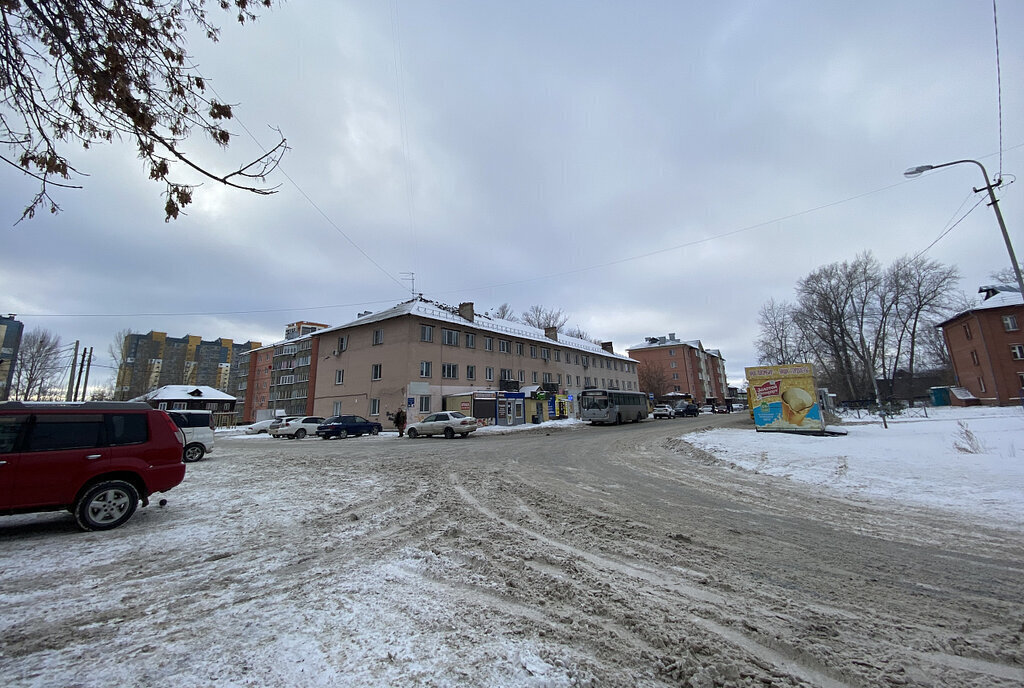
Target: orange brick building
[[687, 367], [986, 345]]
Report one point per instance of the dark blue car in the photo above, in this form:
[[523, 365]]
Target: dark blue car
[[344, 426]]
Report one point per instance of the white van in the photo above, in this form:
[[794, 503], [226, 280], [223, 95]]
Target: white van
[[198, 429]]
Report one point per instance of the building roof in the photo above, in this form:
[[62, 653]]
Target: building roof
[[184, 392], [425, 308], [998, 297], [670, 340]]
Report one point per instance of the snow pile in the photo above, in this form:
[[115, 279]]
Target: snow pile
[[969, 460]]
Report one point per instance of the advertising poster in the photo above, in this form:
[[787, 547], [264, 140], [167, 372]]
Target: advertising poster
[[783, 398]]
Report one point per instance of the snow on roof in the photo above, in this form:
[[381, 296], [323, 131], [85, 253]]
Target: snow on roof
[[179, 392], [424, 308], [1000, 297]]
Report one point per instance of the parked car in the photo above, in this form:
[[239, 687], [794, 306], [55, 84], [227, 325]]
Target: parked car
[[96, 459], [346, 426], [447, 423], [663, 411], [198, 429], [296, 428], [687, 410], [260, 427]]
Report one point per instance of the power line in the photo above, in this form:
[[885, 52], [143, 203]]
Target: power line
[[999, 88]]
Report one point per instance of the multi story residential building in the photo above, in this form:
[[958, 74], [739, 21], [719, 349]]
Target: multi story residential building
[[275, 379], [10, 341], [417, 353], [154, 360], [684, 367], [986, 347]]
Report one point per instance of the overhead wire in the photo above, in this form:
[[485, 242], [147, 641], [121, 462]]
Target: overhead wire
[[999, 88], [953, 225]]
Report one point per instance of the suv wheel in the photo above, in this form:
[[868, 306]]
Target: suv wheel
[[106, 505], [193, 452], [300, 434]]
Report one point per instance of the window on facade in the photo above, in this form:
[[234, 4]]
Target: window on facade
[[1017, 351], [471, 372], [522, 376], [505, 346], [586, 381], [974, 357], [672, 364], [577, 380], [1020, 379], [671, 352], [450, 371], [470, 340], [967, 330], [488, 343], [449, 337], [337, 409], [577, 359], [547, 377], [558, 356], [533, 351], [426, 333], [286, 379], [519, 349], [981, 384], [374, 407], [507, 374], [424, 368], [545, 353], [534, 377], [425, 404], [1010, 323], [342, 345], [339, 377], [675, 376], [489, 373], [375, 371], [378, 337]]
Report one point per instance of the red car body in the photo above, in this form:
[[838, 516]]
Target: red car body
[[96, 459]]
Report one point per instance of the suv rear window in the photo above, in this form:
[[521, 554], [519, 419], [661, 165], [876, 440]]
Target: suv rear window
[[191, 420]]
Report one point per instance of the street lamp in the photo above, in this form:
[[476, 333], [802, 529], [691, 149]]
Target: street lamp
[[989, 186]]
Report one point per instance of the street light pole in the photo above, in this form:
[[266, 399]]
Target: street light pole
[[989, 186]]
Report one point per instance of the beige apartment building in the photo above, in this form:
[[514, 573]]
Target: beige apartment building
[[417, 353]]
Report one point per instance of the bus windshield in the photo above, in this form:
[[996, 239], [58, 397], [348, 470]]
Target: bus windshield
[[589, 402]]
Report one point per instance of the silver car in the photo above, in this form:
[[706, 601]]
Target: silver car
[[447, 423]]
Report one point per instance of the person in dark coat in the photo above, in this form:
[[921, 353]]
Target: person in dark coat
[[400, 421]]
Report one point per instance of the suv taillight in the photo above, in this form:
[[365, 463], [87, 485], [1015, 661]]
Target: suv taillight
[[175, 430]]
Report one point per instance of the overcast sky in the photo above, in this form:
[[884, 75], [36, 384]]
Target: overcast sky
[[648, 168]]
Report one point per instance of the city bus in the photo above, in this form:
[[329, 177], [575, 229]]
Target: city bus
[[612, 406]]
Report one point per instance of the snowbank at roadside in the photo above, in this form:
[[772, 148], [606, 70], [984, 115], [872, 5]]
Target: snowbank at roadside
[[969, 460]]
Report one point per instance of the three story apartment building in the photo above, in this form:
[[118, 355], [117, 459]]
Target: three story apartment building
[[418, 352]]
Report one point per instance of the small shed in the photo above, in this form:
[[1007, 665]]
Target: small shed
[[193, 398]]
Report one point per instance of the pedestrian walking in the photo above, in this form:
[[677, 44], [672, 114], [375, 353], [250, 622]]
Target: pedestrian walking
[[400, 421]]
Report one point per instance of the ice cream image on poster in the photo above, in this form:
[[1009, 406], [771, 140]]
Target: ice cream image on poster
[[796, 403]]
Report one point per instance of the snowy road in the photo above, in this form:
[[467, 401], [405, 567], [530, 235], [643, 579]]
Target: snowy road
[[611, 556]]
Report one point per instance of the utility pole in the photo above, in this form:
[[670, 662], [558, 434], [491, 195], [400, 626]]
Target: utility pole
[[71, 377], [78, 382], [88, 367]]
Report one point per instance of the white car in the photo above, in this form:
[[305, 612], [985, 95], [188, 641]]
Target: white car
[[197, 427], [664, 411], [260, 427], [297, 428], [447, 423]]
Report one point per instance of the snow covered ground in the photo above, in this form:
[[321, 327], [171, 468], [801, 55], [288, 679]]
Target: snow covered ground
[[969, 460]]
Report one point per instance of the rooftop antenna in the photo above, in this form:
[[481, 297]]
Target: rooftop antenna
[[411, 278]]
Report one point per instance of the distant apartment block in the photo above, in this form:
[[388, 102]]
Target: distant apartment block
[[154, 360], [685, 366], [10, 341], [274, 380]]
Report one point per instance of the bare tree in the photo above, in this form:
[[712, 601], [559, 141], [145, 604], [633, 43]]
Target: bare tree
[[543, 318], [91, 72], [579, 333], [40, 366], [504, 312], [653, 378], [118, 351], [781, 340]]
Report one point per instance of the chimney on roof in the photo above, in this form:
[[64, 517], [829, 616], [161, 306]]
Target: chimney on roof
[[607, 346], [551, 333], [466, 311], [671, 335]]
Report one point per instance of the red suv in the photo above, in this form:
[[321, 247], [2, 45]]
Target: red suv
[[96, 459]]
